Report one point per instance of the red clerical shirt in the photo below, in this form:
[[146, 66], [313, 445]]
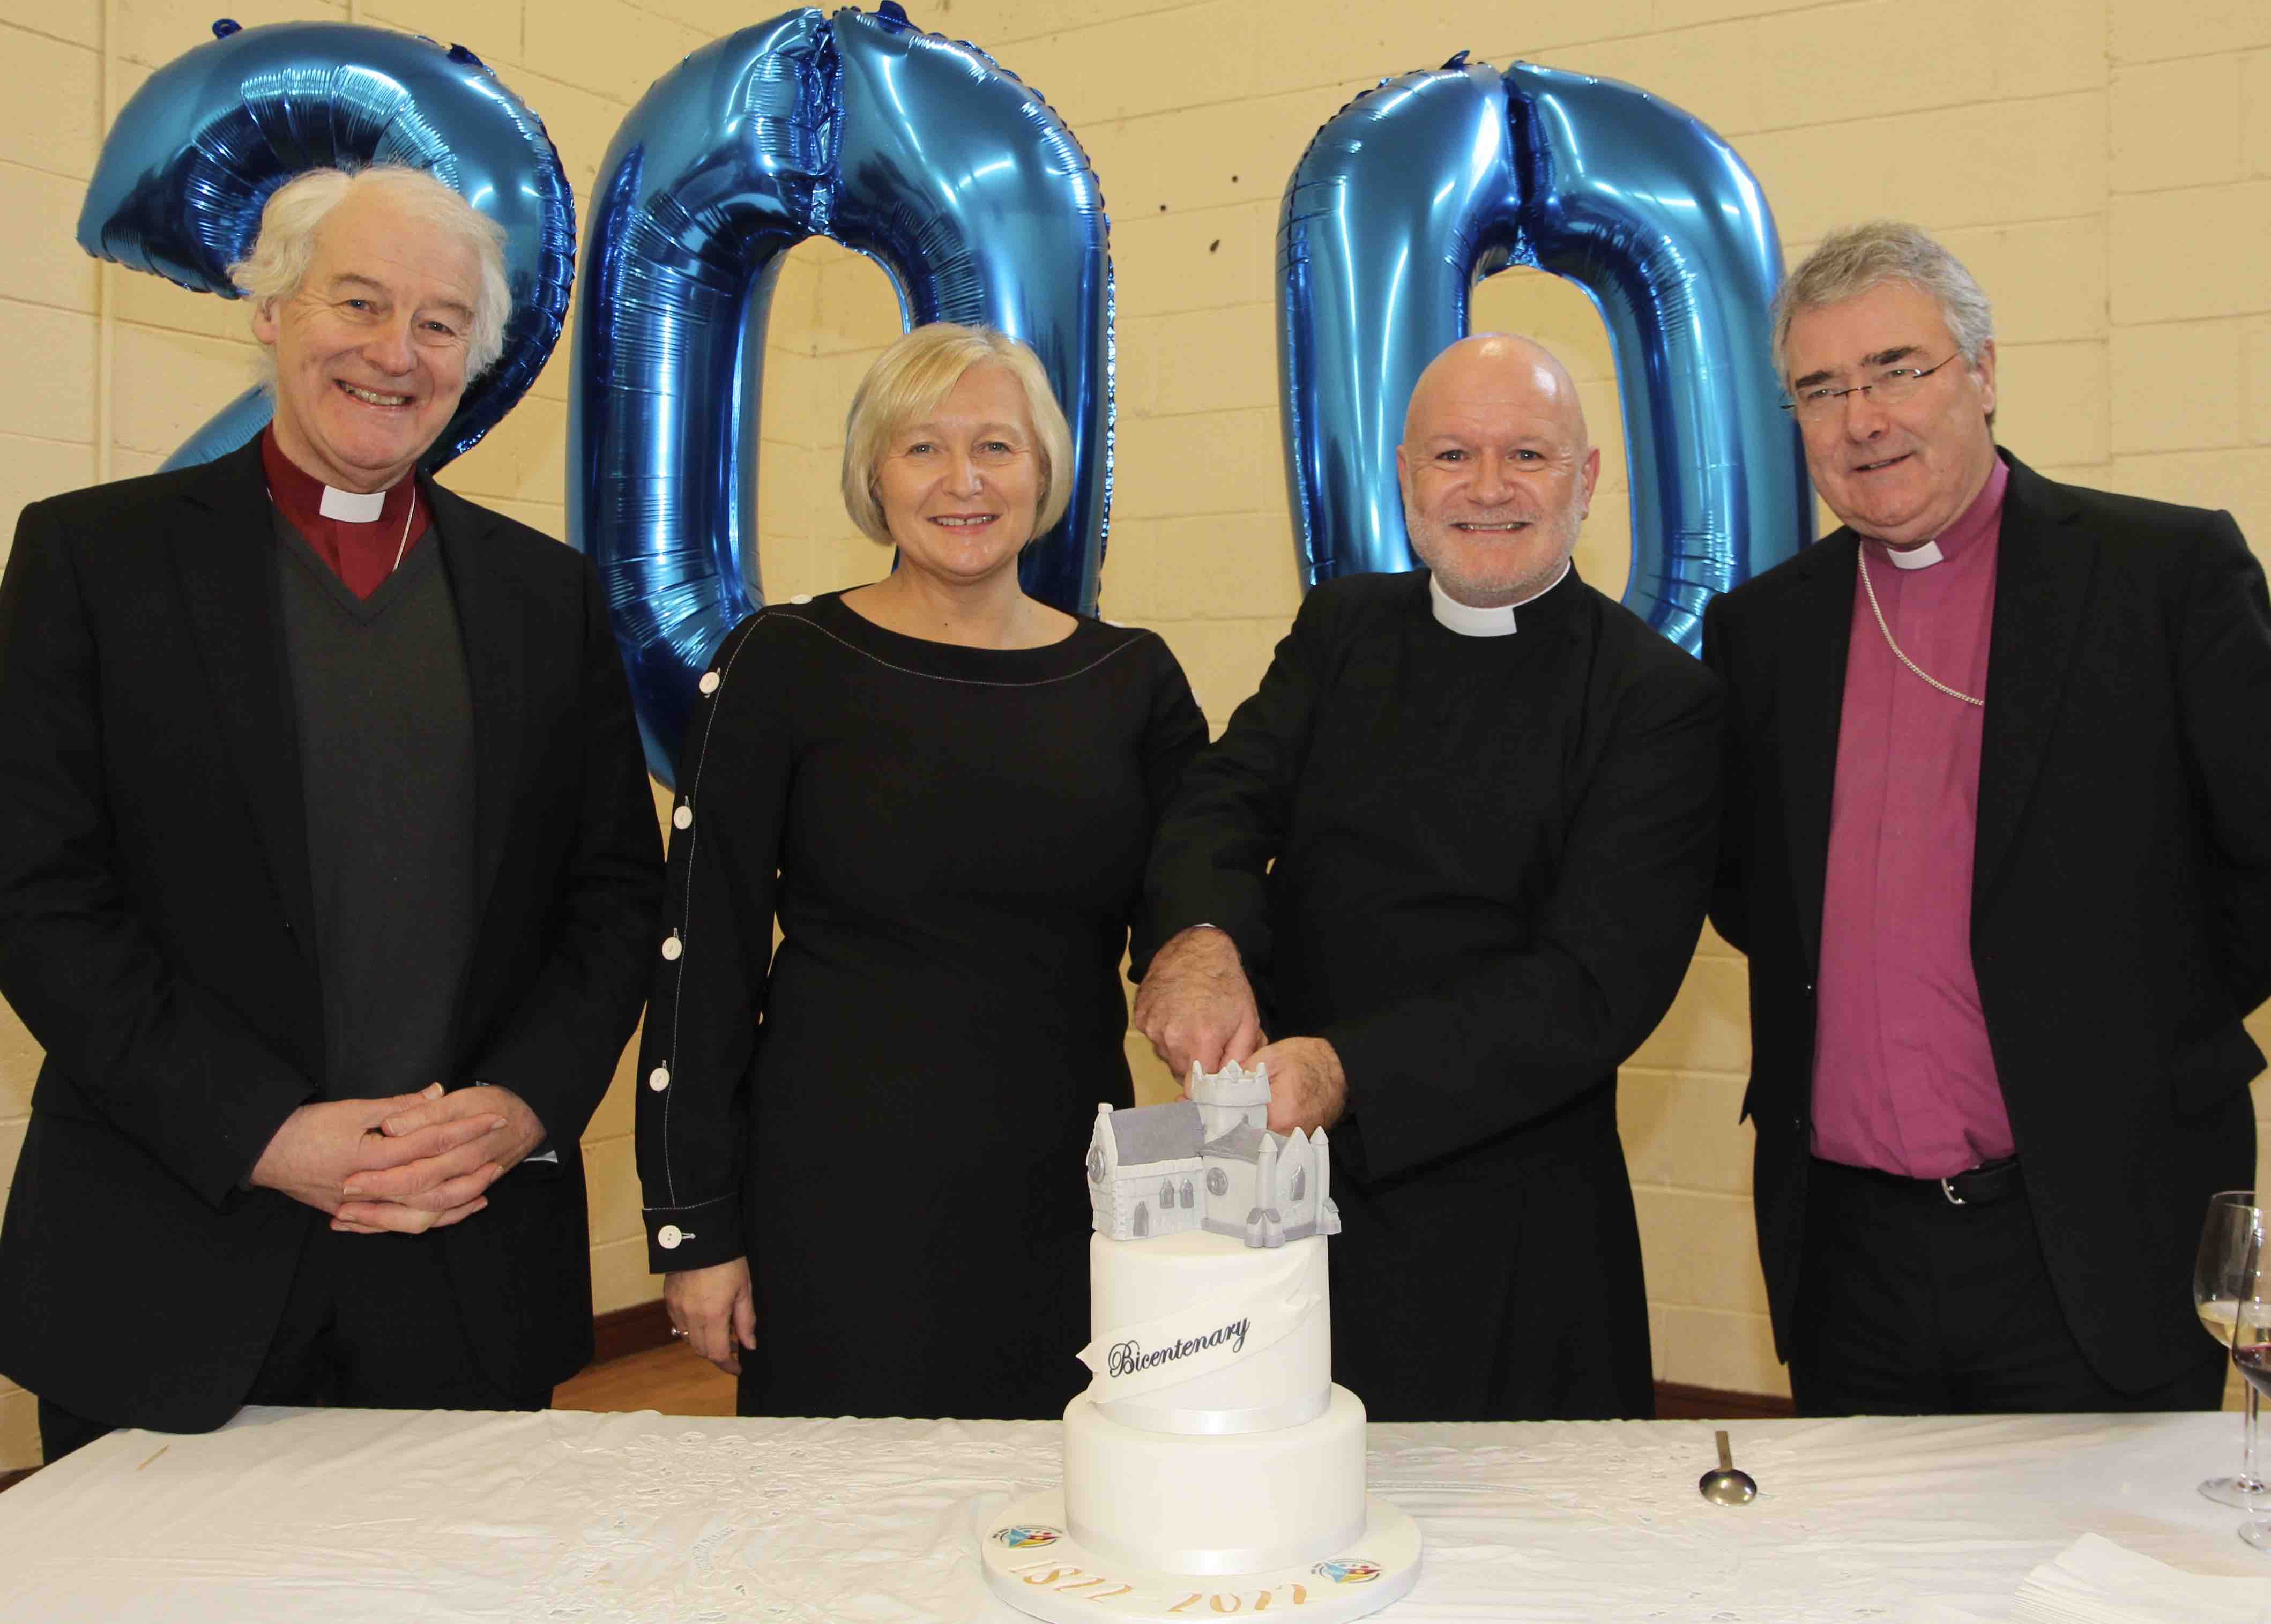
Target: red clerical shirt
[[361, 553], [1903, 1079]]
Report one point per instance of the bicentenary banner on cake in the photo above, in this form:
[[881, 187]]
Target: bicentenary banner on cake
[[1200, 1337]]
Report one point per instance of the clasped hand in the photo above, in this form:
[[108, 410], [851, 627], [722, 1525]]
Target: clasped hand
[[404, 1165]]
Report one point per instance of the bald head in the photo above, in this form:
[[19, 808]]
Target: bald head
[[1496, 469], [1495, 366]]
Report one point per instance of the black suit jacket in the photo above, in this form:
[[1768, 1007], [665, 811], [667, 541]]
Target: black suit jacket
[[2119, 921], [155, 935]]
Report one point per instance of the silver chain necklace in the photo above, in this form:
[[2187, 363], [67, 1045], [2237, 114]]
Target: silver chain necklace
[[403, 547], [1862, 558]]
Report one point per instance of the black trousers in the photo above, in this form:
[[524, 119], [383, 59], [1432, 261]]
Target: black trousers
[[1908, 1305], [371, 1322]]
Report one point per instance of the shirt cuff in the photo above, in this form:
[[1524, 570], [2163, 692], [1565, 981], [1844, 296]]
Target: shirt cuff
[[696, 1237]]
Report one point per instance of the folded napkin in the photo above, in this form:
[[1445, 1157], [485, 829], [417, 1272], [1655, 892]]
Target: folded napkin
[[2094, 1581]]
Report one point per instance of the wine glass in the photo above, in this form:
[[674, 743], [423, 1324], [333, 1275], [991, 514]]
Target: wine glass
[[2251, 1342], [2234, 1227]]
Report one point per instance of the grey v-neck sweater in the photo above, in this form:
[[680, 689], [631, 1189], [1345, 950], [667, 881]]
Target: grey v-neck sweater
[[385, 727]]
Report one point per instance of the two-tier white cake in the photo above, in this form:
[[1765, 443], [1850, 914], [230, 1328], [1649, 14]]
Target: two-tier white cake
[[1211, 1462]]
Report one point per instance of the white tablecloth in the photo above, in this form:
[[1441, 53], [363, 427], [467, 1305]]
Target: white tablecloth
[[316, 1516]]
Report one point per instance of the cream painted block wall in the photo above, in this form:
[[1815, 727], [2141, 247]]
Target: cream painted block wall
[[2104, 164]]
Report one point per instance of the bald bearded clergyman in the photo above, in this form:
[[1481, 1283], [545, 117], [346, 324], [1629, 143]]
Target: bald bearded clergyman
[[1442, 873]]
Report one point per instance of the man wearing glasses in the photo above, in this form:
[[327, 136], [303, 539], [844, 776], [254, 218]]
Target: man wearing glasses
[[1998, 847]]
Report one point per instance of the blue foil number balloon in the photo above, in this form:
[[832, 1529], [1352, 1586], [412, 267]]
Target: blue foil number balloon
[[198, 151], [917, 150], [1417, 190]]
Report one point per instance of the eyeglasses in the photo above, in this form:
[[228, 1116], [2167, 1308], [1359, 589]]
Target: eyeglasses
[[1889, 387]]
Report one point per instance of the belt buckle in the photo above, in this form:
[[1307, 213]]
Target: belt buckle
[[1947, 1188]]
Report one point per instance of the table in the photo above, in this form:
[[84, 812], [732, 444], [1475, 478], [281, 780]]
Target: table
[[563, 1517]]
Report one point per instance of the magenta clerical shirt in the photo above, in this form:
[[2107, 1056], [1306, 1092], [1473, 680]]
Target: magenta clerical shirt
[[1903, 1079]]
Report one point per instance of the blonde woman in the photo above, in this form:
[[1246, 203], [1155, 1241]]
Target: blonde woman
[[860, 1152]]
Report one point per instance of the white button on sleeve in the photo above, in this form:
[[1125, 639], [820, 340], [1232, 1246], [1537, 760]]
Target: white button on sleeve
[[709, 684], [672, 948], [669, 1237], [659, 1079], [684, 818]]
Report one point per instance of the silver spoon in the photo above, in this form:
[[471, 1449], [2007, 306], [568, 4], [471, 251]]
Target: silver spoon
[[1727, 1486]]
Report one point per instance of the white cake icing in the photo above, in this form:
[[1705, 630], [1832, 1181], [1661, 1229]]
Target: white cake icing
[[1212, 1439], [1211, 1444], [1232, 1504], [1280, 1384]]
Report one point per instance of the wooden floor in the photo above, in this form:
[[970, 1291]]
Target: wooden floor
[[672, 1380]]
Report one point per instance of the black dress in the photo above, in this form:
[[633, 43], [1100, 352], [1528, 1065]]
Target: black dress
[[889, 1123]]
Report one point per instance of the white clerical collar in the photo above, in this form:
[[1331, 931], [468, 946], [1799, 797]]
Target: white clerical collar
[[1915, 557], [1469, 622], [354, 506]]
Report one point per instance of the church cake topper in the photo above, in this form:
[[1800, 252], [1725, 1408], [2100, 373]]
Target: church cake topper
[[1209, 1162]]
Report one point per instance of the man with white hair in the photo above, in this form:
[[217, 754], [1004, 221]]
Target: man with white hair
[[1998, 847], [1453, 856], [328, 874]]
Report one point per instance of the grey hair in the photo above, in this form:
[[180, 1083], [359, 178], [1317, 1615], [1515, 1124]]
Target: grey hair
[[1851, 261], [279, 262]]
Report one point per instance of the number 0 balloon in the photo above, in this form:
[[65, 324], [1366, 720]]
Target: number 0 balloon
[[914, 150], [1417, 190], [196, 153]]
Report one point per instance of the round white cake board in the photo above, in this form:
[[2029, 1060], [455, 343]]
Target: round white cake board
[[1033, 1563]]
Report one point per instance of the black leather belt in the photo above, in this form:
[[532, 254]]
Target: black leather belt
[[1975, 1187], [1978, 1187]]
